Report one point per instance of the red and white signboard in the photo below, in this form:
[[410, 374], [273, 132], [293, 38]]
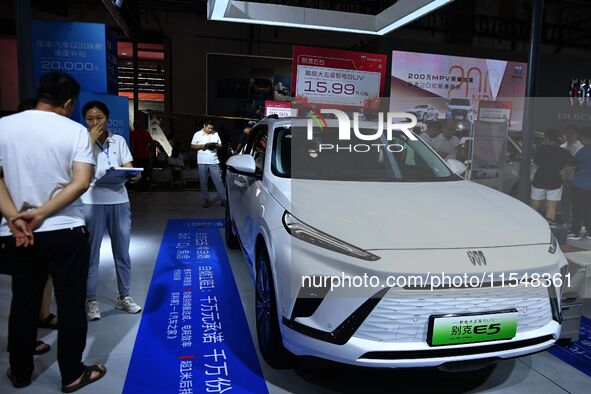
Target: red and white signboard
[[279, 108], [336, 78], [495, 111]]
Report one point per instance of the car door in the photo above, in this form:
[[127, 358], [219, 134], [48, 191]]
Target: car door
[[237, 185], [245, 189]]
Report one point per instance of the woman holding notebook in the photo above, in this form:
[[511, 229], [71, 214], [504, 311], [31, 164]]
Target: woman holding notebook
[[107, 208]]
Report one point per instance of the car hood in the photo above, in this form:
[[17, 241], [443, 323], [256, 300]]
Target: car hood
[[430, 215]]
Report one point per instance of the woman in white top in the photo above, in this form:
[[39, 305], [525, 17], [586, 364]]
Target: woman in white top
[[106, 207]]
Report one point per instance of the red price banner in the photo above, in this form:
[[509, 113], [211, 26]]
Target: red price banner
[[279, 108], [330, 77]]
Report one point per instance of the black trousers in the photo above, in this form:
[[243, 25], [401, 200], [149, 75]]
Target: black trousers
[[65, 254], [581, 209]]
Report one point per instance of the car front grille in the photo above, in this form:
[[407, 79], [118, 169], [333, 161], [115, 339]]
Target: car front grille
[[403, 315]]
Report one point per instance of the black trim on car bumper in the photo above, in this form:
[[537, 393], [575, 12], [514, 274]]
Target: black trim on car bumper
[[308, 301], [346, 329], [554, 304], [454, 352]]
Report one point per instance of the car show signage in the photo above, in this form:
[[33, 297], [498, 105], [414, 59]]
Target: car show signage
[[338, 78], [86, 51], [280, 108], [193, 336], [495, 111], [454, 87]]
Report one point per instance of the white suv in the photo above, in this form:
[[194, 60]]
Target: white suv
[[302, 220]]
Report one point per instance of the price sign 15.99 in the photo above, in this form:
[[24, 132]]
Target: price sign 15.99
[[324, 85]]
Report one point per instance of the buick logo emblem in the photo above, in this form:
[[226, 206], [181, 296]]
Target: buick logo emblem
[[476, 257]]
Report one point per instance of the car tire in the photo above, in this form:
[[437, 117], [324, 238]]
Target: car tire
[[266, 316], [232, 240], [424, 119]]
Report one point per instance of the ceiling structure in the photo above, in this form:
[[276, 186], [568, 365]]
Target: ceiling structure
[[369, 7], [371, 17]]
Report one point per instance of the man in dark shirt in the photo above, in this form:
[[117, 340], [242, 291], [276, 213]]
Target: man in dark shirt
[[244, 137], [551, 159], [582, 188]]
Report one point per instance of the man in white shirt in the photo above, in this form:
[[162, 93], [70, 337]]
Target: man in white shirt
[[572, 144], [447, 143], [207, 142], [47, 164]]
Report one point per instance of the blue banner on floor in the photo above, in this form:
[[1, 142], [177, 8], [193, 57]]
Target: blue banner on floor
[[577, 354], [193, 336]]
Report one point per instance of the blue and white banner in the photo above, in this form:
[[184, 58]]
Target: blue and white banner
[[83, 50], [193, 337], [577, 354], [118, 112]]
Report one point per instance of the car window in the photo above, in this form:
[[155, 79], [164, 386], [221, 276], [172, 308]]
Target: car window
[[294, 156], [258, 146], [459, 101]]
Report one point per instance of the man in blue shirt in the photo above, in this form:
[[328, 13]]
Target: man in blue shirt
[[582, 188]]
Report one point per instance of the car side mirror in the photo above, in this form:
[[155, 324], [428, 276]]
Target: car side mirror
[[242, 164], [456, 166]]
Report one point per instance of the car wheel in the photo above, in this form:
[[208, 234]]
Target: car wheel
[[231, 239], [436, 115], [267, 319], [425, 118]]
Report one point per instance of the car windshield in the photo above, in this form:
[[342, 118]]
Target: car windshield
[[460, 101], [326, 158], [421, 106]]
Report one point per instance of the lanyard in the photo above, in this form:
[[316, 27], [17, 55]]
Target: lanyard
[[105, 151]]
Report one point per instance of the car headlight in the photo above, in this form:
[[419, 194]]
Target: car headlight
[[553, 244], [306, 233]]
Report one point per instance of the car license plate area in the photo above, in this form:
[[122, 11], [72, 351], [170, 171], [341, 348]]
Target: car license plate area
[[458, 328]]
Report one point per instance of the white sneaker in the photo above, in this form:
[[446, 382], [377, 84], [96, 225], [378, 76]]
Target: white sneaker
[[128, 305], [92, 311], [573, 236]]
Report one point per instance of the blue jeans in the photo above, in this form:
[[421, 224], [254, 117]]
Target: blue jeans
[[116, 220], [216, 177]]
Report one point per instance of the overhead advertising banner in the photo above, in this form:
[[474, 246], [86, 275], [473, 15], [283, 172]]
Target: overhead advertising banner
[[86, 51], [118, 112], [453, 87], [279, 108], [330, 77]]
